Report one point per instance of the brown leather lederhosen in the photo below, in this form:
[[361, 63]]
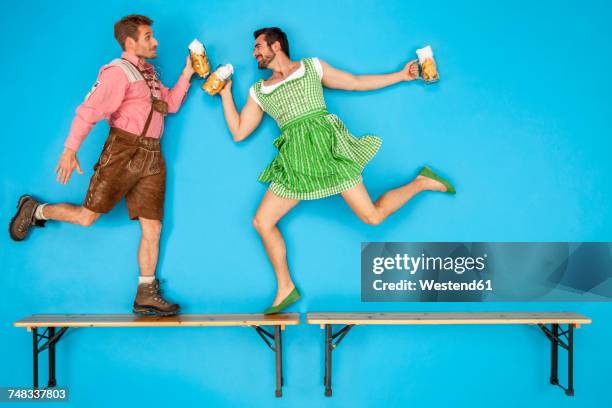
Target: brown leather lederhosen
[[131, 166]]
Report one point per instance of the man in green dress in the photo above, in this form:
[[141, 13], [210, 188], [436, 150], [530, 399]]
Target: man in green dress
[[317, 156]]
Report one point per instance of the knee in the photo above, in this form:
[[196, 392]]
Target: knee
[[261, 225], [87, 219], [152, 231]]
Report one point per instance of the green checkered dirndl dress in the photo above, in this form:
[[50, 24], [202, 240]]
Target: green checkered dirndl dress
[[317, 156]]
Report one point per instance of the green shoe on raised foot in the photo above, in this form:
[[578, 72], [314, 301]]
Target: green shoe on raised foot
[[291, 298], [429, 173]]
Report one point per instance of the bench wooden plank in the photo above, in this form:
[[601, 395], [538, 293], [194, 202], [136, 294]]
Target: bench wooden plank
[[132, 320], [447, 318]]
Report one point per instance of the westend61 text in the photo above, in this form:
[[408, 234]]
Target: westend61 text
[[431, 285]]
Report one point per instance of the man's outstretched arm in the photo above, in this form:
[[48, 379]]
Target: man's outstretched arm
[[337, 79], [242, 124]]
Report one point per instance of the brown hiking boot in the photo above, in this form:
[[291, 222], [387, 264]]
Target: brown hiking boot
[[149, 301], [24, 218]]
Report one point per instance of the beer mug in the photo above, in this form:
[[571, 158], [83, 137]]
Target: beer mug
[[199, 58], [427, 65], [216, 80]]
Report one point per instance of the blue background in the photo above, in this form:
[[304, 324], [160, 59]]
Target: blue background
[[520, 121]]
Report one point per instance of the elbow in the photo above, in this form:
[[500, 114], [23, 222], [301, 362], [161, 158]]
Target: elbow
[[173, 107], [237, 136], [239, 133], [174, 104], [355, 84], [359, 86]]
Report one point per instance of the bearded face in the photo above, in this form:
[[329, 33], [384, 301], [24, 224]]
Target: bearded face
[[263, 53]]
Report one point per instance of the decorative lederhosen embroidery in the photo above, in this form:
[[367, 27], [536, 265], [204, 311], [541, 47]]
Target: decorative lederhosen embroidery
[[154, 167], [107, 153], [103, 161], [138, 160]]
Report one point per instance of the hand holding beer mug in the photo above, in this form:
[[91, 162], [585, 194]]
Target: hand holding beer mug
[[427, 65], [216, 81], [199, 58], [410, 72]]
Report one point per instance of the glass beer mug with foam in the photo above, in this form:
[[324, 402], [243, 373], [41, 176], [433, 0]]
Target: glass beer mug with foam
[[216, 80], [199, 58], [427, 65]]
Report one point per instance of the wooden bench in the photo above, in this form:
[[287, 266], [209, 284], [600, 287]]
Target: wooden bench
[[55, 325], [556, 335]]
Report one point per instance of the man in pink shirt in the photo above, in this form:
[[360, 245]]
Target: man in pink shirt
[[130, 96]]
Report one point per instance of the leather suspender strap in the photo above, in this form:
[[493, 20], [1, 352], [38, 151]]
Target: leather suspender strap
[[147, 123]]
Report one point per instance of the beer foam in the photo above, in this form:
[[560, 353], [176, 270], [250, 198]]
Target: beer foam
[[196, 47], [224, 71], [424, 53]]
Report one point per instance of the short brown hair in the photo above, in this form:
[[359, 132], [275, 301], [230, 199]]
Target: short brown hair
[[128, 27], [274, 34]]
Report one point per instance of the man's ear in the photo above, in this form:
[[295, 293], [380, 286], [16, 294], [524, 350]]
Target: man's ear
[[130, 43], [276, 47]]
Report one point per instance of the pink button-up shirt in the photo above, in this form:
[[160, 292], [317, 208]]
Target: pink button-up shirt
[[124, 104]]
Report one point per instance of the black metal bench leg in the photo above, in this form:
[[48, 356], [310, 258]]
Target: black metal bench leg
[[325, 357], [280, 342], [570, 360], [556, 334], [52, 382], [554, 356], [277, 348], [278, 351], [35, 355], [328, 360]]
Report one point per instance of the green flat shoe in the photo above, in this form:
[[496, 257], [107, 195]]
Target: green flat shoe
[[427, 172], [291, 298]]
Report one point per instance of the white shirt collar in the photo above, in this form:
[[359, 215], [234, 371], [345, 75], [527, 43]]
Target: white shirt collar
[[296, 74]]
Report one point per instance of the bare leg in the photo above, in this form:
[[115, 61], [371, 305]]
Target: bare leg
[[70, 213], [271, 209], [374, 213], [148, 251]]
